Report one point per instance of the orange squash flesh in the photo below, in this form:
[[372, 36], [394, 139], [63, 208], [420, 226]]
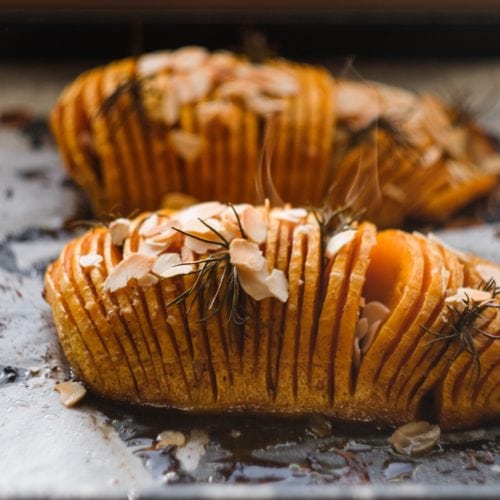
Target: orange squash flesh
[[292, 357], [127, 163]]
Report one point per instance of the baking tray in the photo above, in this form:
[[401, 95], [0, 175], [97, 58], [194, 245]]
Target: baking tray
[[104, 450]]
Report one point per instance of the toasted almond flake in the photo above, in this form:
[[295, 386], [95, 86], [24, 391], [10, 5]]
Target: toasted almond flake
[[70, 393], [394, 192], [361, 328], [170, 438], [290, 214], [148, 280], [273, 81], [356, 354], [254, 224], [186, 145], [90, 260], [134, 266], [171, 320], [189, 58], [199, 247], [375, 311], [487, 273], [238, 89], [304, 229], [265, 105], [119, 230], [165, 235], [196, 227], [368, 339], [463, 294], [431, 155], [212, 113], [170, 106], [338, 241], [148, 225], [246, 255], [356, 103], [168, 265], [152, 63], [150, 248], [415, 438], [278, 285], [204, 210], [254, 283]]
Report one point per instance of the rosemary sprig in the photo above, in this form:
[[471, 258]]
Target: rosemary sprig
[[135, 87], [463, 327], [216, 287]]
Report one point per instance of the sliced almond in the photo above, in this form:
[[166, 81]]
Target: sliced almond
[[431, 155], [134, 266], [290, 214], [338, 241], [238, 89], [265, 105], [152, 63], [464, 294], [196, 227], [164, 235], [119, 230], [254, 283], [356, 103], [246, 255], [368, 339], [204, 210], [394, 192], [150, 248], [170, 106], [168, 265], [361, 328], [188, 58], [148, 280], [375, 311], [186, 145], [277, 284], [253, 223], [170, 438], [149, 224], [199, 247], [71, 393], [487, 273], [415, 438], [229, 221], [90, 260], [273, 81], [213, 113]]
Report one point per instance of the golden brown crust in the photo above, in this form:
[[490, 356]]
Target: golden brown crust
[[306, 353], [129, 136]]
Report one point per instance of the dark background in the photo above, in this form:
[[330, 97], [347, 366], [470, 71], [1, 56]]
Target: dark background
[[299, 29]]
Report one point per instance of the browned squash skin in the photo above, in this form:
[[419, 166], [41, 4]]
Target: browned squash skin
[[127, 156], [297, 357]]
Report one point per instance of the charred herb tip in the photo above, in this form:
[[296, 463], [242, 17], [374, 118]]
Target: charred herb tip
[[463, 328], [216, 287]]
